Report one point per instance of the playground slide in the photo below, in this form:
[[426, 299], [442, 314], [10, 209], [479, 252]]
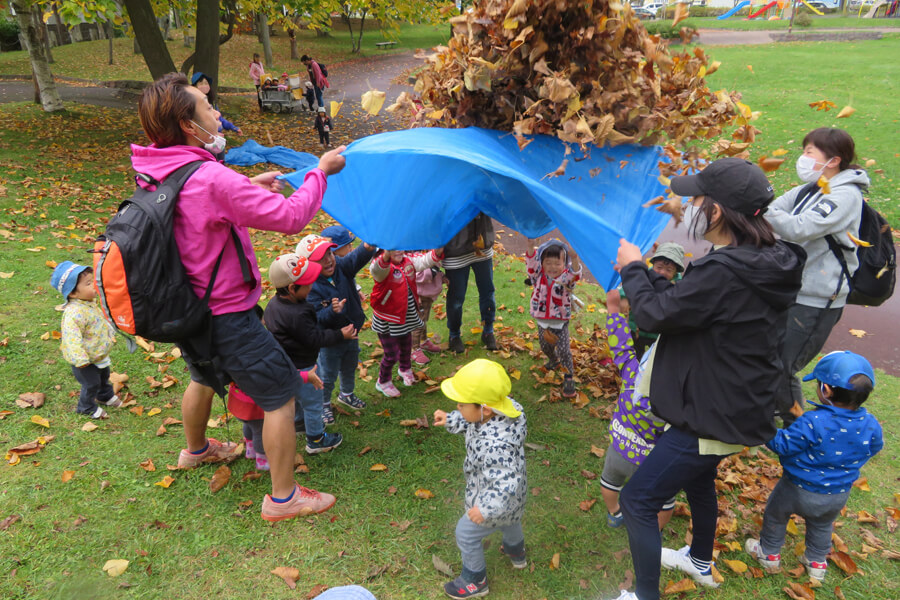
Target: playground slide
[[762, 10], [874, 9], [812, 8], [740, 5]]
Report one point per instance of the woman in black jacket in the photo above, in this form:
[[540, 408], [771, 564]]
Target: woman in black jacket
[[716, 367]]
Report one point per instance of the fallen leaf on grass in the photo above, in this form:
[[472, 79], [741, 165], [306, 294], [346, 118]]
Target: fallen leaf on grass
[[165, 481], [586, 505], [891, 554], [588, 474], [597, 451], [290, 575], [685, 585], [219, 479], [799, 591], [378, 467], [843, 561], [153, 411], [67, 476], [441, 566], [251, 476], [424, 494], [89, 426], [862, 484], [5, 413], [866, 517], [30, 400], [8, 521], [171, 421], [317, 589], [364, 450], [148, 465], [39, 420], [737, 566], [115, 567], [554, 562], [161, 431]]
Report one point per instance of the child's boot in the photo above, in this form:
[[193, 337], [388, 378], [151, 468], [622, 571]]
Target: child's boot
[[262, 463], [770, 562]]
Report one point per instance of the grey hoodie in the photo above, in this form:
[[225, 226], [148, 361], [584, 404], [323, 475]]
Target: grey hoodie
[[834, 214]]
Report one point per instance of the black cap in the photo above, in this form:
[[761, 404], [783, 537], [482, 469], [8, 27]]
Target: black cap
[[735, 183]]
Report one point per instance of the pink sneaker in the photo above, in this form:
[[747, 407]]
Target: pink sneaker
[[408, 377], [249, 452], [262, 463], [387, 388], [304, 502], [419, 357], [216, 452], [430, 346]]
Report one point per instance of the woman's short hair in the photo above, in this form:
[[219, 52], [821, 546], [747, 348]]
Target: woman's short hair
[[743, 229], [833, 142], [163, 106]]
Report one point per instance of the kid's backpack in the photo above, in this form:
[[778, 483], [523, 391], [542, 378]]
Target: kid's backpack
[[873, 282], [140, 280], [323, 68]]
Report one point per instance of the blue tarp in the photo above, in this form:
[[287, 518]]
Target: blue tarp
[[251, 153], [417, 188]]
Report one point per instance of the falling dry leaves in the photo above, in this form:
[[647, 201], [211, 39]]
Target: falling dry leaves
[[846, 112]]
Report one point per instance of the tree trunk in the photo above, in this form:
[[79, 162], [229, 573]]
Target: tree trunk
[[206, 57], [345, 17], [294, 54], [362, 27], [110, 35], [62, 34], [148, 37], [264, 39], [209, 27], [43, 35], [43, 76]]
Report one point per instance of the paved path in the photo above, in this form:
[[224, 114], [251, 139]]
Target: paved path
[[727, 37], [23, 91]]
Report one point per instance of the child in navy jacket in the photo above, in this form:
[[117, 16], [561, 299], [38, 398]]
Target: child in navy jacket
[[821, 453]]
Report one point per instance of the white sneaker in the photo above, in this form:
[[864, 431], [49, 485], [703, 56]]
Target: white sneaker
[[770, 562], [815, 570], [626, 595], [408, 377], [681, 560]]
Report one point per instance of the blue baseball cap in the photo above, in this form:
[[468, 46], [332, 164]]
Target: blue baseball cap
[[837, 368], [65, 277], [339, 235]]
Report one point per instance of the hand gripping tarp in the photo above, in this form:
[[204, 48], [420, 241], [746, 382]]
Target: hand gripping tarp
[[251, 153], [417, 188]]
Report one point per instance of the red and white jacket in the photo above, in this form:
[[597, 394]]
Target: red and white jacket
[[551, 298], [394, 283]]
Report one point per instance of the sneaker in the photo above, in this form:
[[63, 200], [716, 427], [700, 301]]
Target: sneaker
[[249, 452], [408, 377], [351, 400], [519, 561], [815, 570], [770, 562], [430, 346], [681, 560], [98, 414], [304, 502], [615, 521], [489, 341], [326, 443], [459, 588], [626, 595], [327, 413], [216, 451], [115, 402], [456, 345], [387, 388], [262, 463], [568, 387], [419, 357]]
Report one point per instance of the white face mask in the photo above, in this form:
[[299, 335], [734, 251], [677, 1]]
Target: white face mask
[[693, 214], [216, 145], [806, 168]]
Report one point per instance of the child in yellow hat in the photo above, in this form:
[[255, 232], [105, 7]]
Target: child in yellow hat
[[496, 485]]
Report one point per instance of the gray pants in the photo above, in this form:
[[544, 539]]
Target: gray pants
[[807, 330], [469, 537], [819, 511]]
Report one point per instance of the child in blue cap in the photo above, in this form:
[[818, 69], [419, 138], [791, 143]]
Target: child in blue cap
[[86, 338], [821, 453]]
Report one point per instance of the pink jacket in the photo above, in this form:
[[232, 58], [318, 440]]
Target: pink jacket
[[214, 200], [318, 79], [256, 71], [551, 298]]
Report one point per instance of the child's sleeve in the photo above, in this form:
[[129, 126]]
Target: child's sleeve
[[796, 438], [568, 278], [621, 346], [356, 260], [426, 260], [308, 332], [226, 124], [876, 442], [72, 340], [455, 422], [502, 479], [531, 263], [380, 268]]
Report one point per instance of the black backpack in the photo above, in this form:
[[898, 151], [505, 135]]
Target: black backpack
[[140, 279], [873, 281], [323, 68]]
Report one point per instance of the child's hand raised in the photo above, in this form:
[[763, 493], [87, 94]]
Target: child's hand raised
[[475, 515], [338, 306], [349, 332], [440, 418], [312, 378]]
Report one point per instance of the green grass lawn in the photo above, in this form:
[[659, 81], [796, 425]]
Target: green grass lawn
[[88, 60], [187, 542], [818, 23]]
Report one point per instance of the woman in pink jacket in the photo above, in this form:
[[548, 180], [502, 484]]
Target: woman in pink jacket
[[256, 73], [215, 208], [316, 77]]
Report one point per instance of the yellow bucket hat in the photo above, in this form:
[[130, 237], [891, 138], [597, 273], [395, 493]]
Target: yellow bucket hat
[[484, 382]]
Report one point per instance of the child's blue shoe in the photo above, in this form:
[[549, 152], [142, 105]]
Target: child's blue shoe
[[328, 441], [518, 559], [460, 589], [615, 521]]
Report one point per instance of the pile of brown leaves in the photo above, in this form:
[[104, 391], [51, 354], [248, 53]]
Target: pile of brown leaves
[[584, 71]]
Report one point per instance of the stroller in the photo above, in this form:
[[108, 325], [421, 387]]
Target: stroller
[[281, 97]]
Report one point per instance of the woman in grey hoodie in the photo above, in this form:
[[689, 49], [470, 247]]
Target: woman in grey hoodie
[[828, 204]]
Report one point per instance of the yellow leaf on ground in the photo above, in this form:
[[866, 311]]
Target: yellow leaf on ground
[[779, 152], [290, 575], [516, 374], [476, 330], [685, 585], [39, 420], [424, 494], [597, 451], [554, 562], [738, 566], [89, 426], [378, 467], [115, 567], [858, 333], [219, 479], [148, 465], [165, 481], [4, 275], [862, 484], [153, 411], [792, 527], [67, 476]]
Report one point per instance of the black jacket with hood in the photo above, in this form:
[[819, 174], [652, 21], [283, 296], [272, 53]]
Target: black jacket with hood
[[717, 366]]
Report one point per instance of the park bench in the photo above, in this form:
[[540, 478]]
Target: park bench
[[384, 45]]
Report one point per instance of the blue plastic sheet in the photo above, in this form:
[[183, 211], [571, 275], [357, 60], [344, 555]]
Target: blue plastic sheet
[[251, 153], [417, 188]]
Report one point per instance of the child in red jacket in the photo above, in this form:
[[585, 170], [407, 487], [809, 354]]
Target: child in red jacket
[[395, 308]]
